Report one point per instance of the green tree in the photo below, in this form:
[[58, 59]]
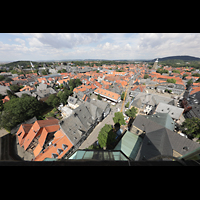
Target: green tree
[[99, 97], [127, 105], [184, 75], [190, 82], [122, 95], [11, 94], [172, 80], [53, 100], [170, 91], [1, 105], [15, 88], [196, 74], [73, 83], [44, 72], [63, 70], [146, 76], [191, 127], [131, 112], [106, 136], [2, 78], [64, 95], [17, 110], [119, 118], [176, 71]]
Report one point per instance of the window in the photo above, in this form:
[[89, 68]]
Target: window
[[54, 155], [64, 146], [20, 133], [59, 151]]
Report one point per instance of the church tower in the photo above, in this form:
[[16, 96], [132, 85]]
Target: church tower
[[155, 66]]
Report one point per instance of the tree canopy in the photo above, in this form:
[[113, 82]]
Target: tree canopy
[[191, 127], [53, 100], [122, 95], [172, 80], [106, 136], [119, 118], [74, 83], [131, 112], [18, 110], [146, 76], [15, 88]]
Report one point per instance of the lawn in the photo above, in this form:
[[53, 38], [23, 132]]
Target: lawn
[[53, 113]]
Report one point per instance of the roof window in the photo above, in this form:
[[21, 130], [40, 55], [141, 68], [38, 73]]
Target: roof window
[[185, 148], [59, 151], [64, 146], [54, 155], [20, 133]]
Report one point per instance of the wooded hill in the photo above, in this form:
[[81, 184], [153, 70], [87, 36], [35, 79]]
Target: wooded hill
[[178, 61], [183, 58]]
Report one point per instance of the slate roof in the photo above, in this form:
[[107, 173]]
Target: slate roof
[[82, 118], [152, 99], [77, 124], [173, 111], [3, 90], [19, 94], [155, 143], [72, 100], [163, 119], [159, 140], [44, 93]]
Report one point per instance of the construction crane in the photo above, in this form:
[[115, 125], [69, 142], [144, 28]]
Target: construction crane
[[32, 66], [124, 97]]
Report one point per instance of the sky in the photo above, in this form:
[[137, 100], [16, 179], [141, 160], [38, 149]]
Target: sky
[[113, 46]]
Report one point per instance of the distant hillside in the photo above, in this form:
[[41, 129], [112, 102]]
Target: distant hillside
[[183, 58]]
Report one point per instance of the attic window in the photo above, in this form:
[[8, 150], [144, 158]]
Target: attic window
[[20, 133], [185, 148], [54, 155], [59, 151], [64, 146]]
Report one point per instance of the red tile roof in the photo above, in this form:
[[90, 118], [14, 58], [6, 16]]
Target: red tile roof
[[59, 147], [36, 130], [107, 94]]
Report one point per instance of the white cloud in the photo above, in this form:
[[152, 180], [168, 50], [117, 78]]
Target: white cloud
[[167, 44], [20, 41], [92, 45], [65, 40]]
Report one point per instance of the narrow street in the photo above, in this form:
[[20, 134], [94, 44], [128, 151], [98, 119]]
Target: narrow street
[[94, 134]]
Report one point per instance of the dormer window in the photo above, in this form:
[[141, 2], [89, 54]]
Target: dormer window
[[64, 146], [54, 155], [20, 133], [59, 151]]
